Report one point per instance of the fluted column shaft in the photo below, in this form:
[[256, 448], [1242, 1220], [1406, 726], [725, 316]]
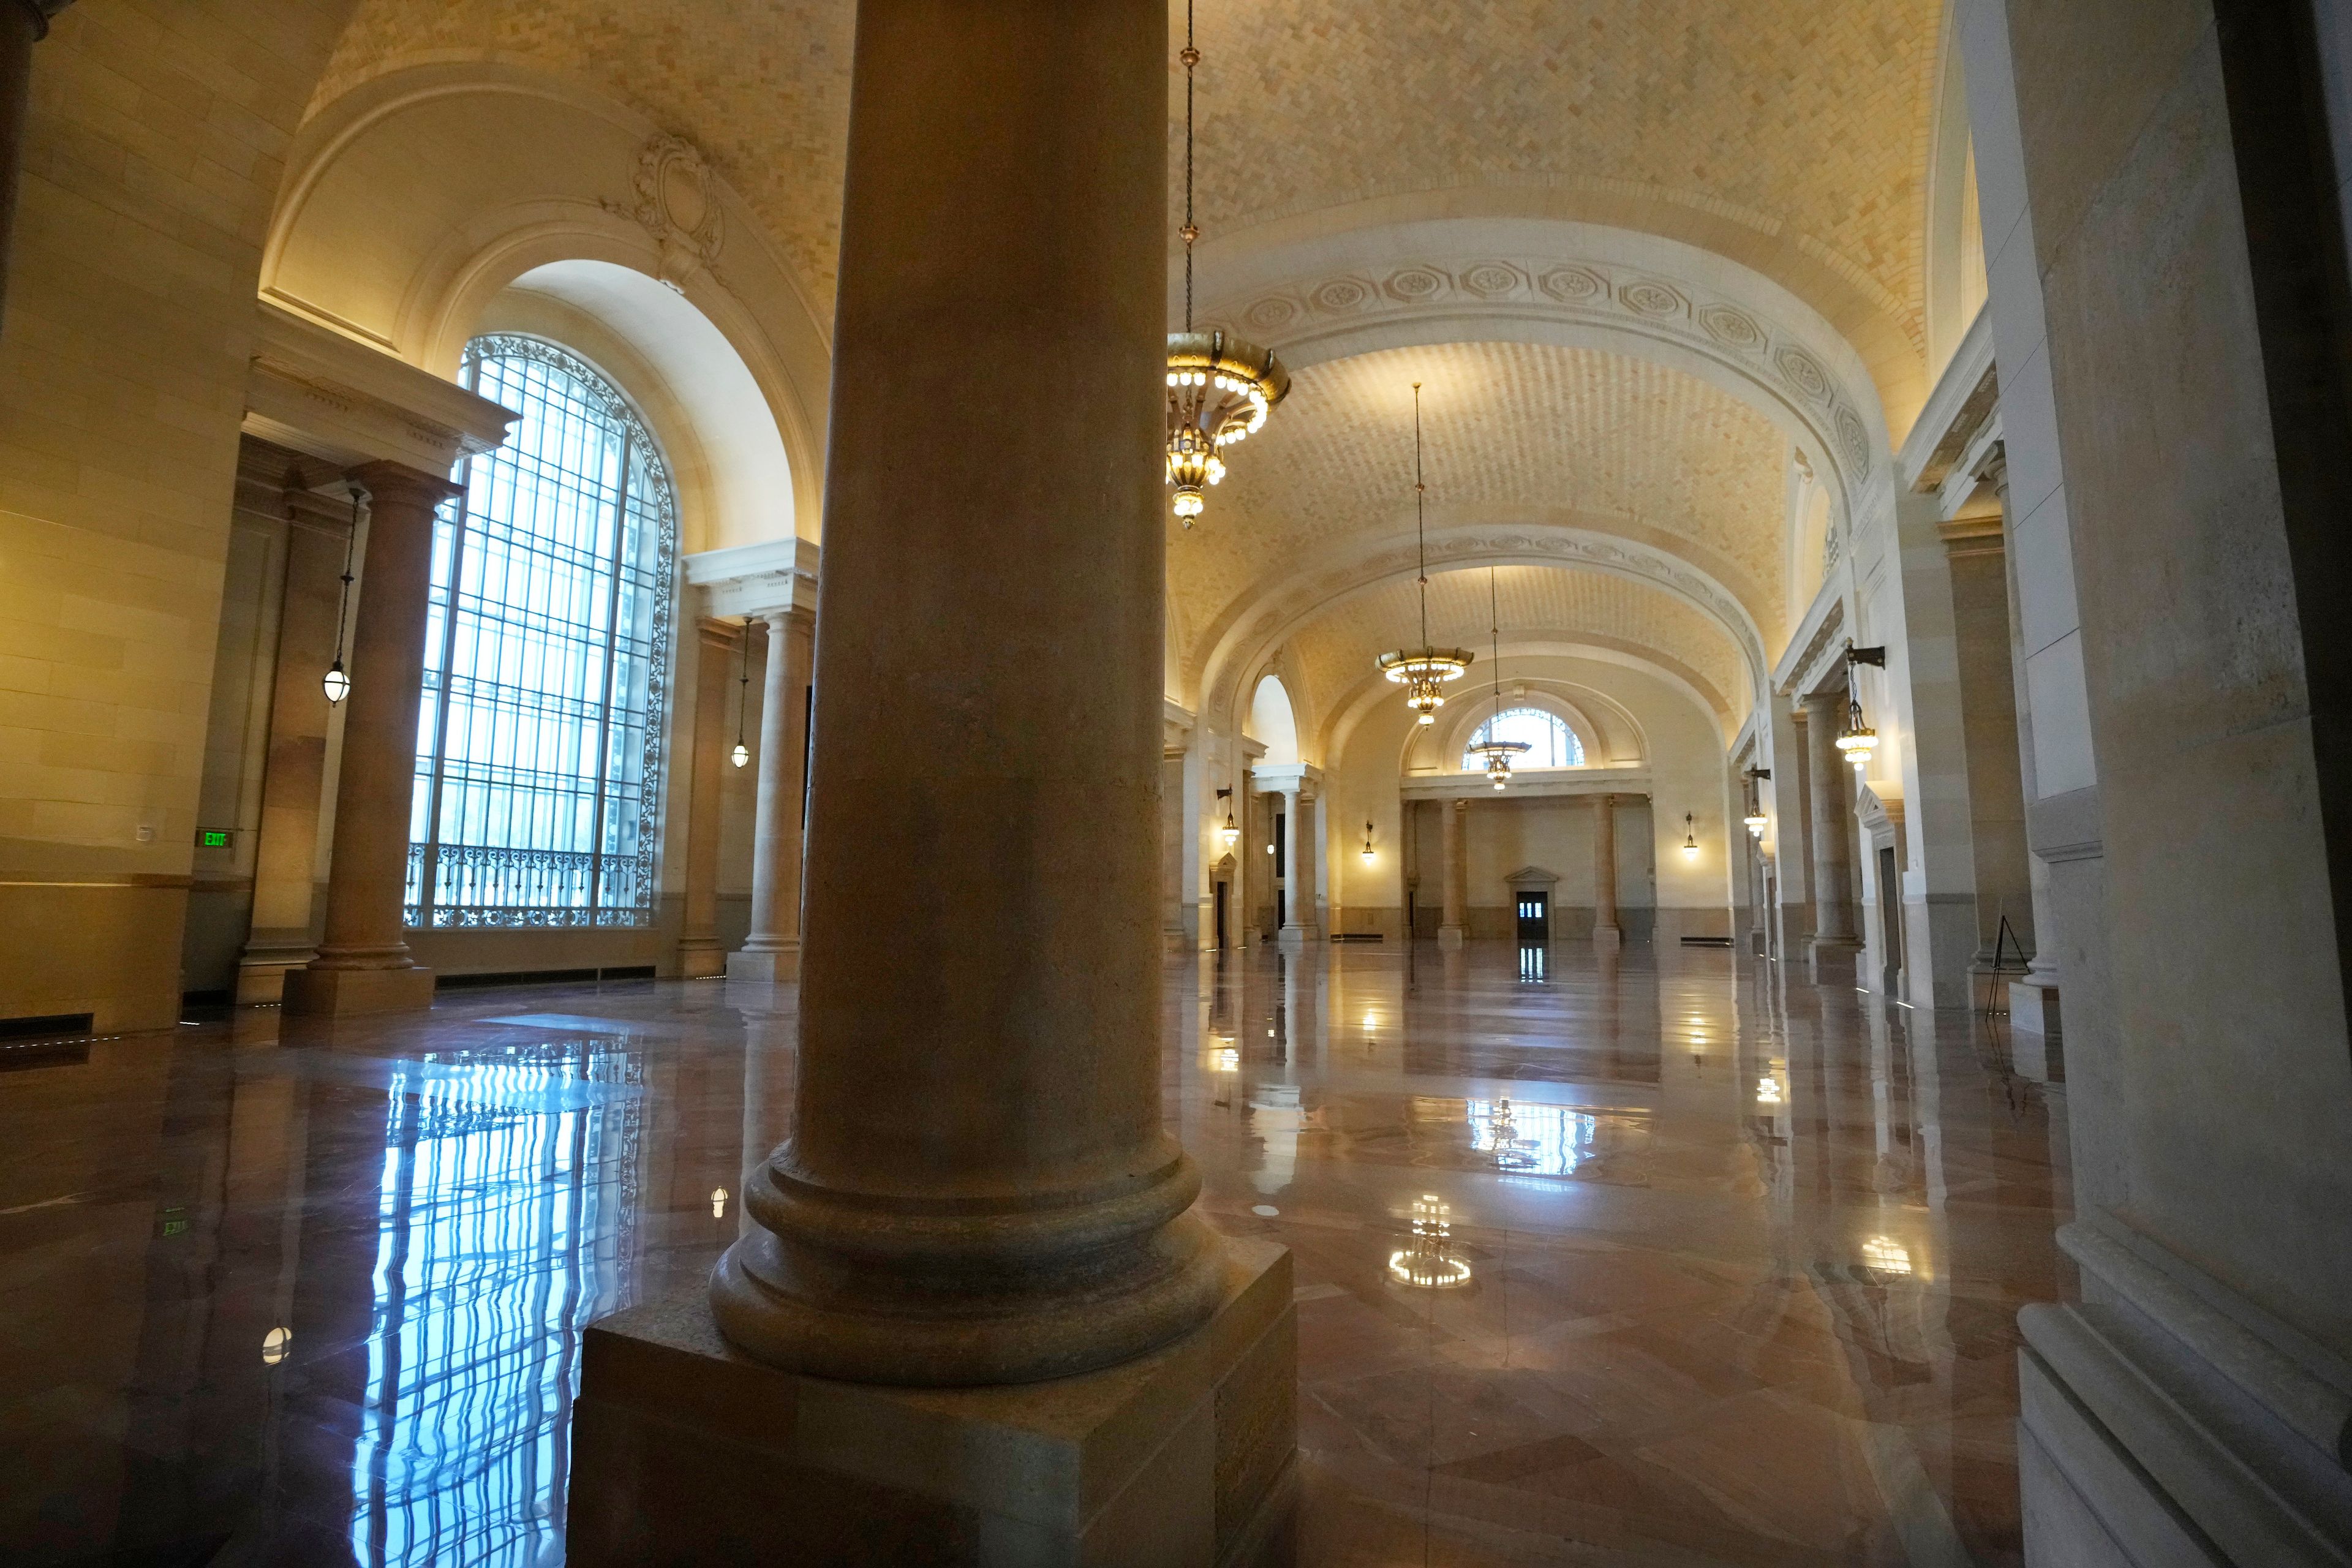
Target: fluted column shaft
[[1832, 826], [699, 954], [1606, 930], [977, 1186], [377, 776], [773, 949]]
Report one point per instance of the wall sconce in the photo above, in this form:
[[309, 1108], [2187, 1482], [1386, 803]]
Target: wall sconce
[[719, 1203], [1231, 832], [1368, 840], [338, 681], [1858, 740], [1690, 837]]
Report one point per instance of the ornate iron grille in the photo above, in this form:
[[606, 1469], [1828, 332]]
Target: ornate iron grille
[[539, 756]]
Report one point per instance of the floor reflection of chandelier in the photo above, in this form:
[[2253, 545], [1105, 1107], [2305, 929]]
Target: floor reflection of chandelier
[[1422, 671], [1219, 388], [1428, 1264]]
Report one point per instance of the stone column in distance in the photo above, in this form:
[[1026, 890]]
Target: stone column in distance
[[1831, 950], [1457, 876], [1298, 922], [1606, 930], [771, 952], [717, 647]]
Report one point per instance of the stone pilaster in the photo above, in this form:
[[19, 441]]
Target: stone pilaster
[[1457, 928], [717, 647], [1302, 837], [1606, 930], [1833, 946]]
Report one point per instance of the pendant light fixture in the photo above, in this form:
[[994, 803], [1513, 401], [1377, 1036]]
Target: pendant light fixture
[[1231, 832], [1690, 837], [338, 681], [742, 753], [1219, 388], [1497, 751], [1858, 740], [1422, 671], [1756, 818], [1368, 840]]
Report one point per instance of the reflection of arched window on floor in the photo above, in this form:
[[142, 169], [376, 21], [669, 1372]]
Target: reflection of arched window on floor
[[546, 660], [1550, 742]]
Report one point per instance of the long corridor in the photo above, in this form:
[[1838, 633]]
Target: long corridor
[[1657, 1258]]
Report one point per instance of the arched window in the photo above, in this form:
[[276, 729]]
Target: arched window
[[1550, 742], [546, 660]]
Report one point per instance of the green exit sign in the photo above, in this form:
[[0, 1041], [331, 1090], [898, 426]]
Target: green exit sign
[[211, 838]]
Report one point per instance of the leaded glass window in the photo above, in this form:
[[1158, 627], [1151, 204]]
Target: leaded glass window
[[1550, 742], [546, 660]]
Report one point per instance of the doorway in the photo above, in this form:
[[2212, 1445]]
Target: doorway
[[1221, 913], [1535, 917]]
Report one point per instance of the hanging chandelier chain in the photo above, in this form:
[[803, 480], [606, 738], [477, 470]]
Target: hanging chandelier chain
[[350, 546], [1494, 628], [1420, 520], [1192, 231]]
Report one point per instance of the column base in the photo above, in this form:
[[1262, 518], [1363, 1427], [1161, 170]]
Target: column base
[[1832, 960], [342, 992], [770, 965], [1608, 936], [2036, 1044], [685, 1450], [1450, 937], [1293, 937], [261, 972], [700, 957]]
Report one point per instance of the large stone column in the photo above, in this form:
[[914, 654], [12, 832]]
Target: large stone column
[[1302, 837], [1457, 928], [977, 1187], [23, 24], [1606, 930], [2033, 1012], [1833, 946], [717, 647], [771, 952], [363, 965]]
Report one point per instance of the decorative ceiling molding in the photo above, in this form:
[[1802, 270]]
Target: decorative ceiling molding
[[1502, 296], [1249, 639], [678, 202]]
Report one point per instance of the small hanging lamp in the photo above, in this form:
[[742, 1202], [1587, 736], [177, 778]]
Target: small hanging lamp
[[742, 753], [1368, 840], [1497, 751], [1858, 740], [337, 682], [1690, 837], [1756, 818], [1231, 832], [1219, 388], [1422, 671]]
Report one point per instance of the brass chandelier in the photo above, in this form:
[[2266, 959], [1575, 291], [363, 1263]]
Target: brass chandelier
[[1219, 388], [1497, 751], [1422, 671]]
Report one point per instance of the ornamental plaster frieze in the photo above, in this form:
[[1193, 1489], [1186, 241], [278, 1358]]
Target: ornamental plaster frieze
[[1489, 296], [1245, 642]]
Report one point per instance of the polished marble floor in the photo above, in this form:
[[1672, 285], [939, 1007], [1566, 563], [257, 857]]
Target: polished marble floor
[[1651, 1259]]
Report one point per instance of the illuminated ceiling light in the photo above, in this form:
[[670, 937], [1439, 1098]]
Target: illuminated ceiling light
[[1690, 837], [719, 1203], [742, 753], [1231, 832], [275, 1345], [1497, 751], [1219, 388], [1422, 671], [1885, 1254], [337, 682], [1858, 740], [1756, 819]]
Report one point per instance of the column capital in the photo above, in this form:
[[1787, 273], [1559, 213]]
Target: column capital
[[397, 484]]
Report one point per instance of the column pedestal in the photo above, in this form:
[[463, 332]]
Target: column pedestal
[[337, 992], [685, 1450], [2034, 1036], [1829, 959]]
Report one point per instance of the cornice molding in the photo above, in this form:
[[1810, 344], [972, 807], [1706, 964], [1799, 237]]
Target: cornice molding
[[314, 390]]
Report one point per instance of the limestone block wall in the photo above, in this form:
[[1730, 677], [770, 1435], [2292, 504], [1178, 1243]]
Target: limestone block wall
[[154, 150]]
